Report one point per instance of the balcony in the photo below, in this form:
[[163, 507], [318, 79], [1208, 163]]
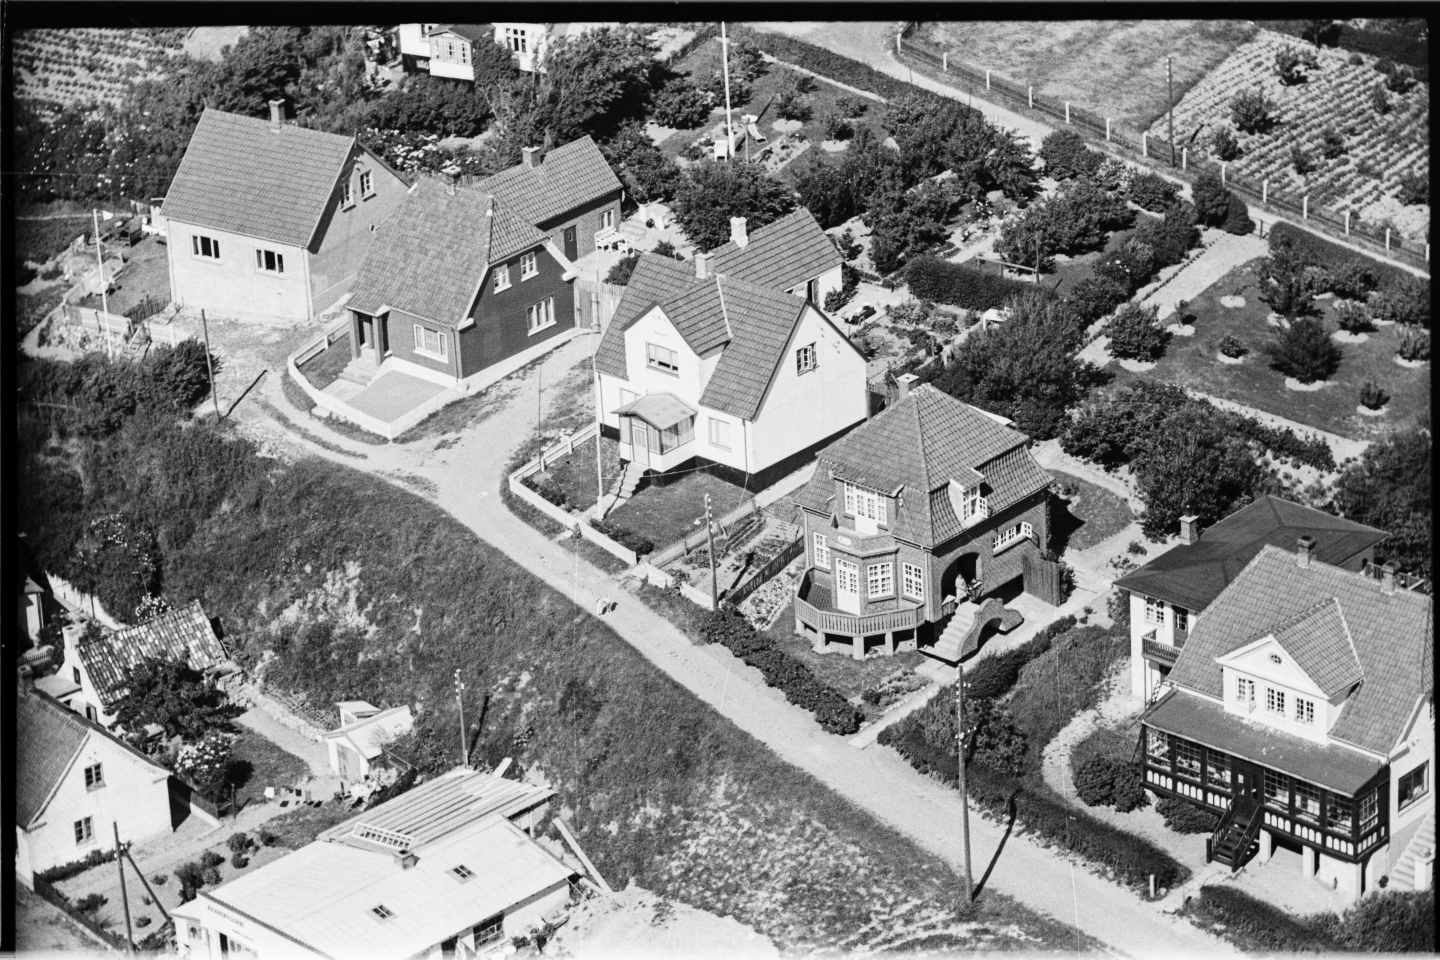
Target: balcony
[[814, 607], [1157, 652]]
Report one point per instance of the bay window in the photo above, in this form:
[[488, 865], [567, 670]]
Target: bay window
[[880, 579]]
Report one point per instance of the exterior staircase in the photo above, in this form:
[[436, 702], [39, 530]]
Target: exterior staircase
[[1237, 837], [625, 487], [1403, 877], [359, 371], [961, 636]]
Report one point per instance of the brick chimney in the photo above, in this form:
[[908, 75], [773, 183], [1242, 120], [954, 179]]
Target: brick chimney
[[530, 156], [406, 859], [1189, 528], [903, 385], [277, 115], [1387, 579], [1305, 551], [702, 266], [737, 232]]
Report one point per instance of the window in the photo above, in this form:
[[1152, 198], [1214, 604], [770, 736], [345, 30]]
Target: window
[[94, 777], [75, 674], [805, 359], [367, 183], [1245, 691], [1217, 769], [464, 53], [270, 261], [381, 912], [1187, 759], [84, 830], [1011, 535], [661, 358], [880, 579], [1304, 710], [1182, 620], [501, 278], [847, 576], [541, 315], [1338, 815], [1369, 812], [1277, 790], [462, 872], [206, 247], [607, 219], [864, 503], [1157, 746], [347, 193], [912, 580], [490, 930], [528, 266], [719, 433], [517, 40], [1412, 786], [1307, 801], [431, 343], [672, 438], [972, 505], [1154, 610], [1275, 701], [822, 552]]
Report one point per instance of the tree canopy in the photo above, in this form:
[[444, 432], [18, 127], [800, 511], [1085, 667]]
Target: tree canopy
[[176, 697], [712, 192], [1389, 488]]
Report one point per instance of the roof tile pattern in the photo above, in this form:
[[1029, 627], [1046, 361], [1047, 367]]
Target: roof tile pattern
[[783, 254], [240, 176], [761, 321], [1320, 643], [654, 279], [1389, 634], [566, 178], [183, 634]]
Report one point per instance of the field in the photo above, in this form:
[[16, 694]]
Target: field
[[79, 65], [1192, 362], [1115, 68], [1379, 150]]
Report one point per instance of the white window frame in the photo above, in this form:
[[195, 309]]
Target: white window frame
[[1182, 619], [529, 265], [1245, 691], [1304, 710], [821, 551], [443, 341], [1275, 701], [607, 219], [1154, 611], [655, 361], [912, 580], [540, 316], [500, 278], [264, 257], [347, 193], [1420, 791], [1012, 535], [719, 433], [865, 504], [880, 579], [518, 40], [94, 776], [200, 240], [847, 576], [806, 359], [367, 183]]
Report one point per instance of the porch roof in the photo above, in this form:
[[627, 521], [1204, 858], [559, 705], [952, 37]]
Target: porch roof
[[1194, 718], [660, 410]]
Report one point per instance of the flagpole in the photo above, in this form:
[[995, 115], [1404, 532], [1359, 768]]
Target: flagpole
[[104, 297], [725, 72]]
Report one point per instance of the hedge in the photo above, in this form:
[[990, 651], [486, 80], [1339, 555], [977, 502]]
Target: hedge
[[953, 283], [1183, 816], [993, 677], [1256, 924], [828, 64], [1284, 442], [74, 868], [1324, 253], [782, 671]]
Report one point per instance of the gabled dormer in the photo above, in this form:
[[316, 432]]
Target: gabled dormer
[[968, 498]]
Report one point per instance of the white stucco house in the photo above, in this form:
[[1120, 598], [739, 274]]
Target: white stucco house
[[359, 742], [75, 784], [728, 358]]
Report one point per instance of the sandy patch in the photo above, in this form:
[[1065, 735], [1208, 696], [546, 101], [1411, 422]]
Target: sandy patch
[[834, 146], [1366, 411], [1292, 384], [1345, 336], [1180, 330], [659, 134], [1410, 364], [1232, 301], [1230, 360], [1136, 366], [786, 126], [636, 923]]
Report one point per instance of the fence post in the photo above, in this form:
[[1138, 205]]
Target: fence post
[[1067, 111], [898, 38], [1347, 223], [1305, 207], [945, 61], [1145, 145], [1222, 173], [1427, 253], [1107, 128], [1184, 158], [987, 79], [1387, 239], [1031, 93], [1265, 191]]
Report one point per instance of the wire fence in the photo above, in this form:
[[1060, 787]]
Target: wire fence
[[1163, 155]]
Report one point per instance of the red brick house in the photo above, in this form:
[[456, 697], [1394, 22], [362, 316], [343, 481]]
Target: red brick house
[[569, 193], [911, 521]]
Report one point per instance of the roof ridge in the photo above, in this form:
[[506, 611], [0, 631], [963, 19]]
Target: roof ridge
[[724, 313], [920, 434]]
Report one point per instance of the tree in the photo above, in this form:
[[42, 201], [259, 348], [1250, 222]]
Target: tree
[[1212, 200], [903, 224], [1195, 465], [431, 105], [177, 698], [1136, 334], [1304, 351], [680, 104], [1066, 156], [647, 173], [620, 273], [712, 192], [1293, 66], [1252, 112], [1224, 144], [179, 375], [1026, 368], [1389, 488], [825, 191], [1153, 192], [1332, 144]]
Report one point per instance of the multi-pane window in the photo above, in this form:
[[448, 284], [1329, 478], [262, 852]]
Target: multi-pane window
[[517, 39], [1304, 710], [269, 261], [1307, 801], [1369, 812], [1157, 746], [607, 219], [1182, 620], [84, 830], [1277, 790], [1412, 786], [431, 343], [805, 359], [462, 872], [822, 552], [1012, 534], [1217, 769], [661, 358], [207, 247], [1275, 701], [868, 504], [1338, 815], [1245, 690], [540, 315], [381, 912], [500, 278], [347, 193], [880, 579], [490, 930], [719, 433], [972, 504], [529, 265], [94, 776], [1154, 610], [912, 580], [847, 577], [367, 183], [1187, 759]]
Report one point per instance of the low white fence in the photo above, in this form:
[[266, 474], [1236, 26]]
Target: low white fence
[[656, 577]]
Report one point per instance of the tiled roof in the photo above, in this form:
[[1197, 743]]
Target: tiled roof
[[474, 32], [240, 176], [183, 634], [1319, 642], [761, 321], [1192, 575], [782, 254], [1389, 633], [430, 256], [700, 315], [1194, 718], [917, 447], [654, 279], [565, 178], [47, 738]]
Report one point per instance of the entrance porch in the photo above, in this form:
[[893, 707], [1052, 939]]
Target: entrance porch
[[657, 432]]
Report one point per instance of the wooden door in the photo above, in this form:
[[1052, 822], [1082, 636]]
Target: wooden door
[[639, 442], [847, 586], [571, 247], [1246, 781]]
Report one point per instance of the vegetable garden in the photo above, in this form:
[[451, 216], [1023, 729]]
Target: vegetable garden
[[81, 65]]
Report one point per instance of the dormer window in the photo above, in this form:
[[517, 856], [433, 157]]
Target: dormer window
[[865, 504], [1304, 710], [971, 504]]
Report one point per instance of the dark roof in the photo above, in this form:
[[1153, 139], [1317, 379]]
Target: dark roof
[[430, 256], [566, 178], [474, 32], [183, 634], [783, 254], [654, 279], [660, 410], [241, 176], [916, 447], [1273, 593], [1192, 575], [1331, 766], [47, 738]]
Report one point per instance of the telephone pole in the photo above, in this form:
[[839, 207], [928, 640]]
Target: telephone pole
[[209, 370], [1170, 86], [725, 72], [104, 292], [120, 863], [966, 884], [464, 739], [710, 544]]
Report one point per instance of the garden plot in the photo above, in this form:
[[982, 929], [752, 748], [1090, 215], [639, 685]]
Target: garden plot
[[1379, 149], [753, 542], [81, 65]]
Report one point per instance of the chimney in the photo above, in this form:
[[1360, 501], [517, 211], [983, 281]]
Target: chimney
[[406, 859], [277, 115], [737, 232], [530, 156], [702, 266], [1387, 579], [1305, 551], [903, 384], [1189, 528]]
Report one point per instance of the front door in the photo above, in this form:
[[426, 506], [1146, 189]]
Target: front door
[[365, 334], [1247, 782], [847, 586], [640, 442], [571, 248]]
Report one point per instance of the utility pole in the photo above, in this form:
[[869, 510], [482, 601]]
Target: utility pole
[[539, 398], [104, 293], [725, 72], [595, 375], [464, 738], [710, 544], [120, 865], [1170, 85], [966, 884], [209, 370]]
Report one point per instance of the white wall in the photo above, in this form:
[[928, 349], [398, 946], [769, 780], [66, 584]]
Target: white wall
[[201, 940], [1417, 747], [413, 40], [233, 286], [536, 35], [829, 280], [1143, 676]]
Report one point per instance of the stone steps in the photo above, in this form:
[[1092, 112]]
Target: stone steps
[[1403, 876]]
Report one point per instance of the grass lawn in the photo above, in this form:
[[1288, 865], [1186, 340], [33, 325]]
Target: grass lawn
[[1091, 515], [1071, 270], [849, 676], [39, 240], [324, 368], [575, 474], [31, 308], [146, 275], [665, 513], [1113, 68], [264, 765], [1193, 362], [304, 823]]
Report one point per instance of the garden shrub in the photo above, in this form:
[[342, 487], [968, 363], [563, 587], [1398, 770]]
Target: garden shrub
[[1320, 252], [1136, 334], [1237, 217], [239, 842], [681, 104], [1352, 279], [1352, 317], [1108, 781], [1153, 192], [90, 903], [1392, 921], [1094, 297], [1379, 100], [1414, 189], [1304, 351], [74, 868], [1332, 144], [791, 104], [624, 536], [1252, 112], [238, 860], [1182, 816], [963, 286], [211, 859], [1403, 300], [620, 273], [1300, 159], [1224, 144], [1066, 156], [992, 677], [1372, 396], [1414, 345], [1255, 924]]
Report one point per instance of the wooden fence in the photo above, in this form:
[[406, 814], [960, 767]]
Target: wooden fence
[[772, 567], [696, 539]]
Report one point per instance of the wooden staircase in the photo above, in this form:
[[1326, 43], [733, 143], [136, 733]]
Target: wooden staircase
[[1237, 837], [1402, 877]]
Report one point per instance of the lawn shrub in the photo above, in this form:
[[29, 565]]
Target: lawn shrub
[[1332, 143], [640, 543], [1067, 156], [960, 285], [238, 860], [90, 902], [1252, 112], [1256, 924], [1372, 396], [1237, 217], [1182, 816], [1414, 345], [1353, 317], [1094, 297], [1224, 145], [239, 842], [1304, 351], [210, 859], [1106, 781], [1153, 192], [1136, 334]]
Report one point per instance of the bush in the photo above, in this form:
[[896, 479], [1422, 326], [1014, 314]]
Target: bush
[[1231, 346], [1255, 924], [1379, 102], [548, 489], [267, 837], [210, 859], [1224, 144], [1066, 156], [239, 842], [238, 860], [1353, 279], [620, 273], [681, 104], [1237, 217], [1389, 922], [1399, 79], [76, 867], [1300, 159], [1252, 112], [962, 286], [627, 538], [1304, 351], [1414, 189], [992, 677], [1291, 65], [178, 376], [1317, 251], [1353, 317], [1136, 334], [1332, 144], [1094, 297], [838, 128], [666, 249], [1153, 192], [90, 903], [1414, 345], [1110, 781], [1182, 816], [1372, 396]]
